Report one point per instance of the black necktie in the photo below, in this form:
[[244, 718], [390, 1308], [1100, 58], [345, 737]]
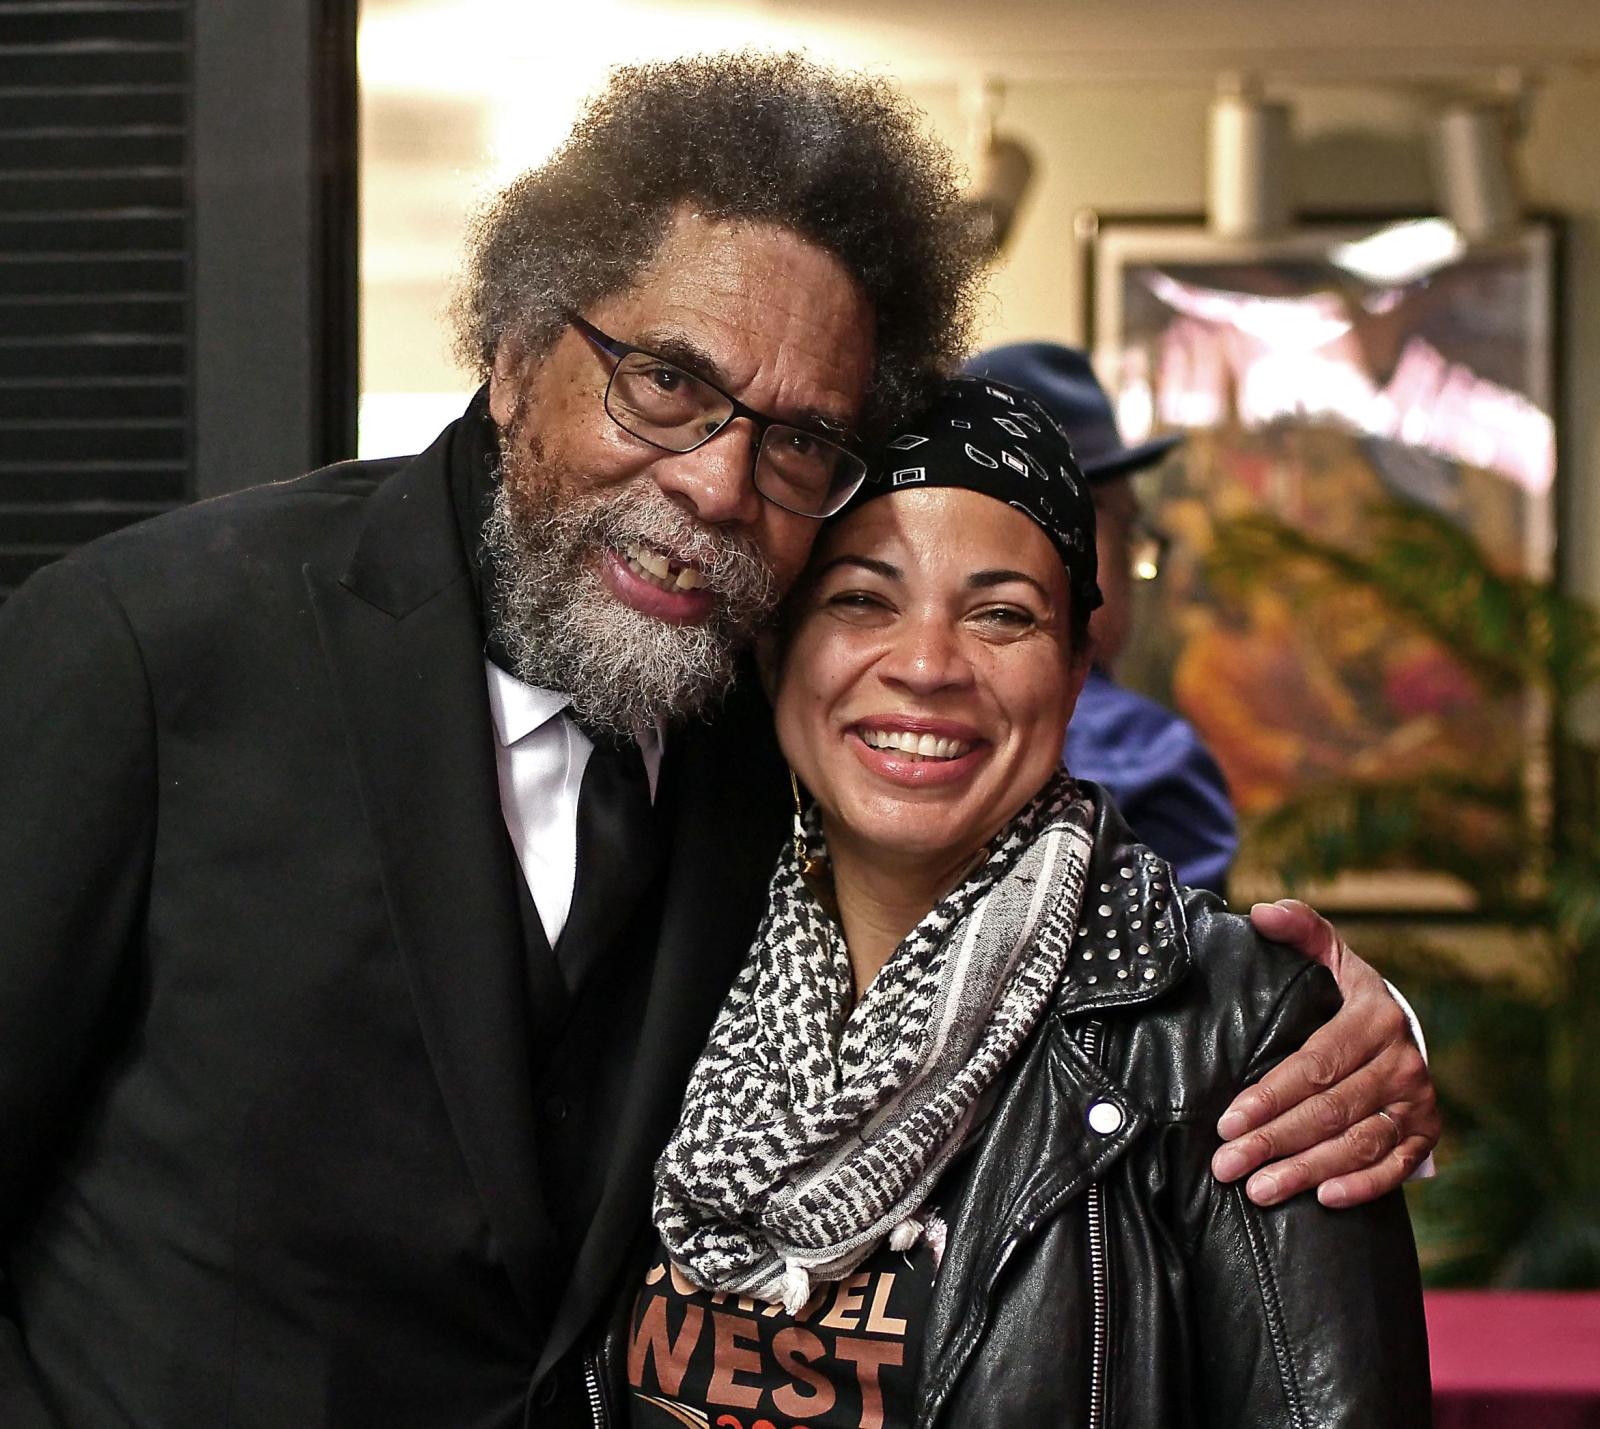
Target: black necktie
[[617, 854]]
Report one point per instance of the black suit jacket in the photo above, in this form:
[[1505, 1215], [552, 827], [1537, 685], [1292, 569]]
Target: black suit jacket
[[269, 1153]]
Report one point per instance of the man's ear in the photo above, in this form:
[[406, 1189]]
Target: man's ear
[[505, 381]]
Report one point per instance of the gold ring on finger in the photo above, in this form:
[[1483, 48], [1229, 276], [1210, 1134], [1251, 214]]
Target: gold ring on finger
[[1399, 1136]]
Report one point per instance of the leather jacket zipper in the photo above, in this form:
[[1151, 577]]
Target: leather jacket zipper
[[1099, 1276], [592, 1387], [932, 1413]]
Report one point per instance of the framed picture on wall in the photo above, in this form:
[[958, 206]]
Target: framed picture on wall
[[1325, 381]]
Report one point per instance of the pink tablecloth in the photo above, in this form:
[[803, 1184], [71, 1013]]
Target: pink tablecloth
[[1514, 1359]]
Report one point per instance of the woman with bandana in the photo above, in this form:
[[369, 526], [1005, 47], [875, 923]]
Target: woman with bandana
[[945, 1160]]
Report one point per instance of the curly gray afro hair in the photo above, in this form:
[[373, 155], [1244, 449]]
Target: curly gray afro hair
[[839, 159]]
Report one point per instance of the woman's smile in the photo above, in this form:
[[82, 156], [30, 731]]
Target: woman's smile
[[915, 751]]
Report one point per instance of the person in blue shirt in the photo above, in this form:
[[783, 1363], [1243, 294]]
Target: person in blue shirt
[[1155, 764]]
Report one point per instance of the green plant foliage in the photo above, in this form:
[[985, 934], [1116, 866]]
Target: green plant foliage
[[1516, 1060]]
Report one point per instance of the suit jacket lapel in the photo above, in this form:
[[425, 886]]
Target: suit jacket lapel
[[401, 633], [727, 822]]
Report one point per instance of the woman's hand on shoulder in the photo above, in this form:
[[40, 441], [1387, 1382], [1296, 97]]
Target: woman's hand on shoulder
[[1353, 1113]]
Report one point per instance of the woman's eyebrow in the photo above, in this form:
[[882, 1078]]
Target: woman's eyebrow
[[982, 580], [865, 563]]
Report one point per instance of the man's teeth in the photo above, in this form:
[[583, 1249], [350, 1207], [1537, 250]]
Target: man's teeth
[[655, 568], [923, 746]]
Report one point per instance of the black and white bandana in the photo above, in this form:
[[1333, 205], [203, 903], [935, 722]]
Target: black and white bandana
[[986, 437]]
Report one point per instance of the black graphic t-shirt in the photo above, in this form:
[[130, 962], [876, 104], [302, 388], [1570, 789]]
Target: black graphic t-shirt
[[848, 1360]]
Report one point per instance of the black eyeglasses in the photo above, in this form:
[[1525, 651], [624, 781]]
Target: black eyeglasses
[[658, 402]]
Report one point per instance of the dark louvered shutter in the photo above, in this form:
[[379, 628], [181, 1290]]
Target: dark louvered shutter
[[95, 266]]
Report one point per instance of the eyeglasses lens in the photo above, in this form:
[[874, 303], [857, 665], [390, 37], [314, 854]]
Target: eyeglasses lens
[[664, 404], [801, 472]]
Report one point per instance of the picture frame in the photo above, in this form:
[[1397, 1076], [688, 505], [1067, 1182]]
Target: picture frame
[[1317, 376]]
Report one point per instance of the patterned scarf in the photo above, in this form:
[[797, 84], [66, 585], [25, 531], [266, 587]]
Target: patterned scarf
[[812, 1130]]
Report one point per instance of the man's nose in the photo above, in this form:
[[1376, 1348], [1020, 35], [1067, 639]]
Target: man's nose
[[715, 482], [926, 655]]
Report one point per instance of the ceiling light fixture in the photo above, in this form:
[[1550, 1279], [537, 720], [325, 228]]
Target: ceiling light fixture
[[1247, 172], [1471, 153]]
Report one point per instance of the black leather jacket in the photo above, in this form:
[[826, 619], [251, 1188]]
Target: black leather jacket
[[1095, 1274]]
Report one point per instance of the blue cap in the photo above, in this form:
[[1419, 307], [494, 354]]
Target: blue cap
[[1063, 382]]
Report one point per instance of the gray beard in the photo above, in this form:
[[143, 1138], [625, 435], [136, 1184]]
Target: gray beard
[[564, 630]]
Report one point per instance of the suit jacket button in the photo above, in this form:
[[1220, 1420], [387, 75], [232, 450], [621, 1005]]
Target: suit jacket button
[[556, 1108]]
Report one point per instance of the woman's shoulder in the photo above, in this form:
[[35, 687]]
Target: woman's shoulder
[[1238, 1004], [1236, 969], [1198, 1002]]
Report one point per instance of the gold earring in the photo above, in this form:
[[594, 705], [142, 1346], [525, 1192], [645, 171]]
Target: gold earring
[[810, 865]]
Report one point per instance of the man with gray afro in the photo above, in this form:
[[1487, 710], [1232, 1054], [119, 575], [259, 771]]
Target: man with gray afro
[[379, 845]]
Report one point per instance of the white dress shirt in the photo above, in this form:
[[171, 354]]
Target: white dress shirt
[[540, 755], [1427, 1168]]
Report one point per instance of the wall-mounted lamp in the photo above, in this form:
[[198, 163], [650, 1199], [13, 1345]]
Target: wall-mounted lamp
[[1471, 152], [1001, 166], [1247, 173]]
